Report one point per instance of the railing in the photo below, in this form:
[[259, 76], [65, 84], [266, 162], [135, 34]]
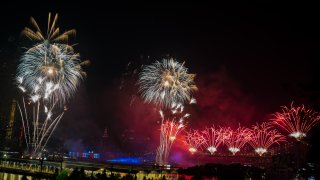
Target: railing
[[32, 167]]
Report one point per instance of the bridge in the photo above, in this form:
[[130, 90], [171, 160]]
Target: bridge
[[46, 169]]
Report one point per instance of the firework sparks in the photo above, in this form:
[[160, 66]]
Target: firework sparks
[[194, 140], [51, 71], [48, 75], [213, 139], [169, 132], [297, 121], [167, 83], [236, 139], [263, 136], [53, 32]]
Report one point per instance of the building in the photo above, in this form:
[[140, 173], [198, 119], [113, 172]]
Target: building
[[10, 129], [10, 125]]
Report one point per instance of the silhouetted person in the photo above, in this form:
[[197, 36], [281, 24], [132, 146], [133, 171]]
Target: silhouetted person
[[98, 176], [75, 175], [91, 177], [55, 174], [128, 177], [82, 174], [104, 175]]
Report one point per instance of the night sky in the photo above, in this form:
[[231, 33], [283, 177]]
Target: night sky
[[249, 59]]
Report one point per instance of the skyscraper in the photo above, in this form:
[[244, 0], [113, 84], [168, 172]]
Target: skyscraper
[[10, 126]]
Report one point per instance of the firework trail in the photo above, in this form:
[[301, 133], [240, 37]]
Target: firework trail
[[194, 140], [48, 75], [166, 83], [236, 139], [213, 139], [263, 136], [170, 129], [169, 132], [297, 121]]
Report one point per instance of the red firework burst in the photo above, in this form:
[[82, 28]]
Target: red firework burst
[[194, 140], [297, 121], [236, 139], [263, 136], [213, 138]]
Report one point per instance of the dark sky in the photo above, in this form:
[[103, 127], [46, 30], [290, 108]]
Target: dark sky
[[249, 58]]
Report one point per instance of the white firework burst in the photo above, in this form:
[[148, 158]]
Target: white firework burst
[[166, 83], [50, 71], [48, 74]]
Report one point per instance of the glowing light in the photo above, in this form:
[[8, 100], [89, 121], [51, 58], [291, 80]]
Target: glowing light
[[193, 101], [298, 135], [50, 71], [49, 115], [19, 79], [166, 83], [212, 149], [35, 98], [260, 151], [161, 114], [172, 138], [297, 121], [36, 88], [192, 150], [22, 88], [233, 150]]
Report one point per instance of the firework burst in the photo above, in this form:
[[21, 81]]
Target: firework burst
[[166, 83], [297, 121], [236, 139], [50, 71], [48, 75], [194, 140], [213, 139], [263, 136]]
